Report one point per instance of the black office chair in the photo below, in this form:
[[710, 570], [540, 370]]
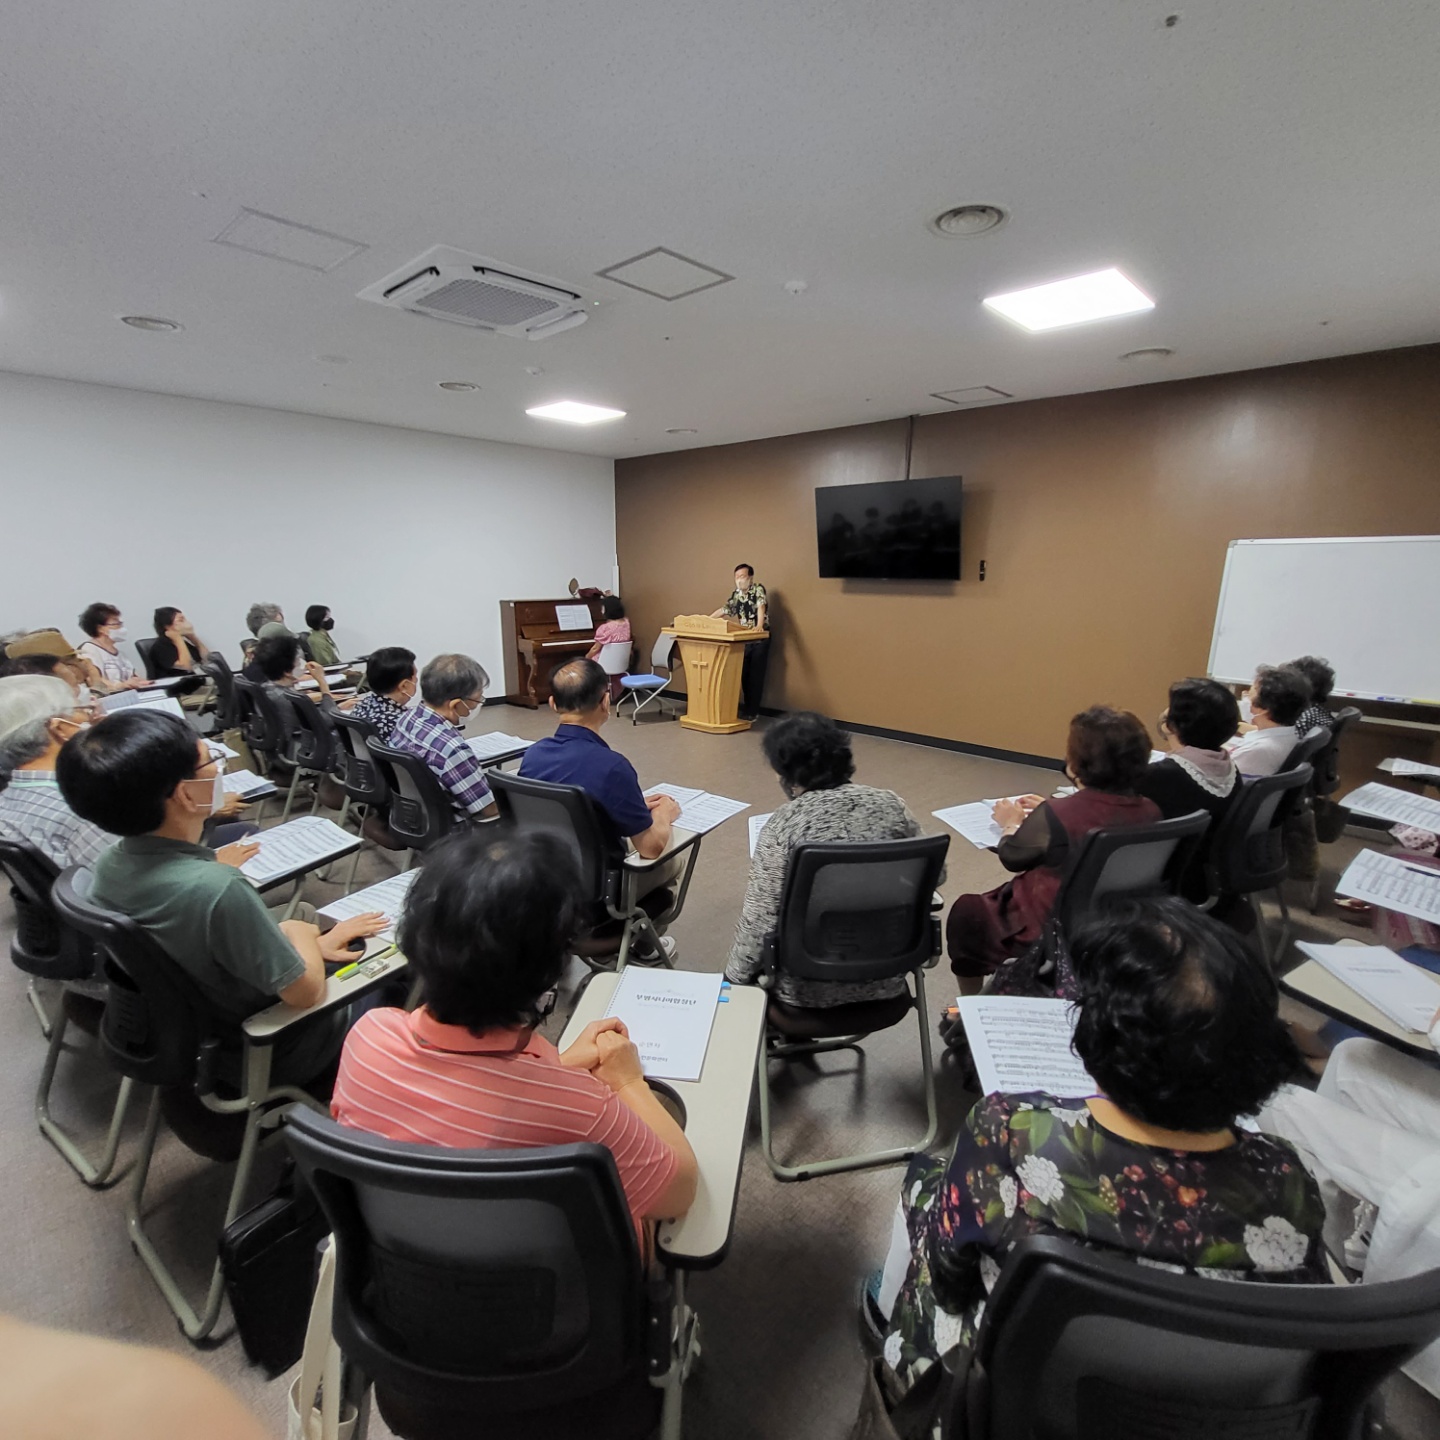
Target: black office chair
[[158, 1030], [1248, 853], [496, 1291], [1305, 751], [272, 735], [359, 773], [851, 912], [615, 916], [143, 647], [1134, 1351], [46, 948], [1330, 819], [227, 706], [420, 810], [315, 743]]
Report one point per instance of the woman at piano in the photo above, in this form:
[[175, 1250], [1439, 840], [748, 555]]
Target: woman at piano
[[612, 630]]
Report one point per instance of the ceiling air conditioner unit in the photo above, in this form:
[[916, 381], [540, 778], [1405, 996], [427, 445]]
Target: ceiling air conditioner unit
[[448, 284]]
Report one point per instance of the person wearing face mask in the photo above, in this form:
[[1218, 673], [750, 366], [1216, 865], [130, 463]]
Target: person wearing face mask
[[1273, 703], [48, 652], [1105, 756], [319, 623], [394, 687], [146, 777], [279, 666], [452, 689], [104, 627], [811, 755]]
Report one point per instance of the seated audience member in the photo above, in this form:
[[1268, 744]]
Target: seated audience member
[[318, 624], [394, 687], [614, 629], [1105, 758], [1198, 773], [103, 625], [452, 688], [48, 652], [1179, 1028], [811, 755], [1320, 676], [279, 667], [146, 777], [1372, 1131], [487, 928], [178, 651], [1277, 697], [265, 619]]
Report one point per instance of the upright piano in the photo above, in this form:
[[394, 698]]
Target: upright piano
[[538, 636]]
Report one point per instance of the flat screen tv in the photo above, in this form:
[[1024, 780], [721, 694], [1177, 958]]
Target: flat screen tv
[[901, 530]]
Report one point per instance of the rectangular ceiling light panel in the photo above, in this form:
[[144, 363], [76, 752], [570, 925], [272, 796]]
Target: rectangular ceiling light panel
[[279, 239], [972, 395], [1071, 302], [665, 274], [574, 412]]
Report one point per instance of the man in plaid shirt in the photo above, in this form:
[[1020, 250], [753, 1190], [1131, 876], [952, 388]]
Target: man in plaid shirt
[[453, 688]]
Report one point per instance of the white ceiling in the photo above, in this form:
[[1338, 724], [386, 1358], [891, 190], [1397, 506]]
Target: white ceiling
[[1269, 172]]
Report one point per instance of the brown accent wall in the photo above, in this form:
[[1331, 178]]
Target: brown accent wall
[[1103, 519]]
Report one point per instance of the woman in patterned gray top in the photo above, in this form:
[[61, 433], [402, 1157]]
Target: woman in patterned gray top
[[812, 757]]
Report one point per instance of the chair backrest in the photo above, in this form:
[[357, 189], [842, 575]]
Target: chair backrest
[[155, 1017], [1135, 1351], [261, 723], [1248, 851], [227, 712], [614, 657], [316, 742], [662, 652], [1127, 860], [487, 1281], [359, 770], [143, 647], [568, 812], [858, 910], [1326, 763], [43, 944], [1315, 743], [420, 808]]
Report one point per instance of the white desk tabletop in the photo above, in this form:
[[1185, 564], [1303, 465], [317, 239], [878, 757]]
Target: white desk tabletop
[[717, 1115], [1313, 984], [679, 839], [370, 972]]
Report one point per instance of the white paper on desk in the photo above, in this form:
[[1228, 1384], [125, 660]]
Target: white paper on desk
[[169, 682], [388, 897], [1400, 807], [219, 750], [974, 821], [757, 824], [669, 1014], [296, 845], [496, 742], [246, 783], [1393, 884], [700, 811], [1022, 1044], [574, 617], [1402, 992], [1396, 765], [167, 703]]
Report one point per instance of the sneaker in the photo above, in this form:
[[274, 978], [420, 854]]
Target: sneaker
[[668, 950], [872, 1318], [1357, 1245]]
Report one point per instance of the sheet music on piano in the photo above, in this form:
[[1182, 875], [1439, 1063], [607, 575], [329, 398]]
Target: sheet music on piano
[[573, 617]]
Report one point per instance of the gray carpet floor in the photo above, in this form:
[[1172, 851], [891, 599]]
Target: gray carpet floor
[[782, 1350]]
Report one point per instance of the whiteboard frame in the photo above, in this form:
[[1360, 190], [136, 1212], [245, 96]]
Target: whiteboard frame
[[1304, 540]]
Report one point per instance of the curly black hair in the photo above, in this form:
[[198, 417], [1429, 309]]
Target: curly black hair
[[1321, 675], [1202, 713], [809, 752], [94, 618], [1107, 749], [488, 923], [1282, 692], [1178, 1022]]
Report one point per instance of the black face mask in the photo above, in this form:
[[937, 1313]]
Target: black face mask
[[327, 624]]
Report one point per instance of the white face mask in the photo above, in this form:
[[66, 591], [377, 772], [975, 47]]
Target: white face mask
[[1246, 714], [119, 632], [217, 792], [415, 701]]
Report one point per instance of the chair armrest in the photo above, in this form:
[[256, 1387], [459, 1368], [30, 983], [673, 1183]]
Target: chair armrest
[[659, 1325], [680, 841], [266, 1026], [937, 946]]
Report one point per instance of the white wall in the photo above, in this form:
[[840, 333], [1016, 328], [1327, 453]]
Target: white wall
[[411, 538]]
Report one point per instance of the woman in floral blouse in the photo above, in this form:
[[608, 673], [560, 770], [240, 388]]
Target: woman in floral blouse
[[1179, 1029]]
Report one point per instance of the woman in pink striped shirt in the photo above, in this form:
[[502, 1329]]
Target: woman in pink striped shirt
[[487, 927], [614, 629]]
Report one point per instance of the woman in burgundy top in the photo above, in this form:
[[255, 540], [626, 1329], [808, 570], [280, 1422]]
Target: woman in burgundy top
[[1105, 757]]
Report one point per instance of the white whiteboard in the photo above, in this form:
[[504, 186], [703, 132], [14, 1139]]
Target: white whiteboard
[[1369, 604]]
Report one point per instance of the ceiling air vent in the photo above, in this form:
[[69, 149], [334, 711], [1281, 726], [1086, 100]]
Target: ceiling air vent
[[448, 284]]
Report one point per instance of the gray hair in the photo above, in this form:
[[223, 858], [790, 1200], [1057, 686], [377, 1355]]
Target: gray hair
[[452, 677], [27, 705], [261, 613]]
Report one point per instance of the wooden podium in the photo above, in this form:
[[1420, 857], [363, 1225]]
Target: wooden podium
[[713, 652]]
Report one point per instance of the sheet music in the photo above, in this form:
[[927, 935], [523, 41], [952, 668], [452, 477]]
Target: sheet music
[[1404, 993], [1396, 765], [669, 1014], [167, 703], [974, 821], [496, 742], [247, 784], [388, 897], [1393, 884], [296, 845], [574, 617], [757, 824], [1400, 807], [700, 811], [169, 682], [120, 700], [1021, 1044]]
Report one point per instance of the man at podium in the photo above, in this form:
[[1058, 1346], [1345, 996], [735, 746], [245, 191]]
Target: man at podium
[[749, 605]]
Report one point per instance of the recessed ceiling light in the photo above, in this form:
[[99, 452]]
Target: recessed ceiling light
[[1071, 302], [1149, 352], [681, 430], [966, 220], [574, 412], [150, 322], [457, 385]]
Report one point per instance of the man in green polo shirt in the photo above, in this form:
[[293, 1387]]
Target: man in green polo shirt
[[146, 777]]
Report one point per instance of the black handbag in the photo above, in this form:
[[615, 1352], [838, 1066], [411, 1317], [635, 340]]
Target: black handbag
[[268, 1256]]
